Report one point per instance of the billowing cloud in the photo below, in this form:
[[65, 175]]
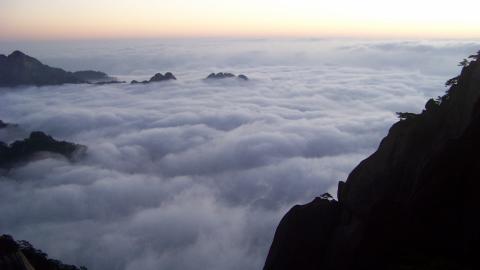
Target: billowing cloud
[[194, 174]]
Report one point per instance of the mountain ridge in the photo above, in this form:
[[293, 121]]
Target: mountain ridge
[[20, 69], [22, 151], [410, 205]]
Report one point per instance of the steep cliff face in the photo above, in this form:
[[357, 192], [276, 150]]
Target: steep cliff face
[[11, 257], [394, 169], [302, 234], [21, 255], [410, 205]]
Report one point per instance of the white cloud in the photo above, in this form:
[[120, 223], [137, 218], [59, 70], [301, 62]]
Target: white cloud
[[196, 175]]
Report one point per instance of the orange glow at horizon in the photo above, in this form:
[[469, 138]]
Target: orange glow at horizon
[[59, 19]]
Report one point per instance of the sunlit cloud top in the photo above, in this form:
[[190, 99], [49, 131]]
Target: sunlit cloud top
[[60, 19]]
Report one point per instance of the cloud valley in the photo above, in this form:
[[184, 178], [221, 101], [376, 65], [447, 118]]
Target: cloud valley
[[196, 175]]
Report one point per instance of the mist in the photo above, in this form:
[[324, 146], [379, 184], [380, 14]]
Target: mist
[[195, 174]]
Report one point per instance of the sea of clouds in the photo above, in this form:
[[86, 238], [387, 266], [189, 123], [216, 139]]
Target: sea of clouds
[[195, 174]]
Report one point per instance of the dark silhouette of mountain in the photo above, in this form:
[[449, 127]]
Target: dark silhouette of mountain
[[90, 75], [20, 152], [21, 255], [413, 204], [96, 77], [225, 75], [21, 69], [243, 77], [114, 81], [159, 77]]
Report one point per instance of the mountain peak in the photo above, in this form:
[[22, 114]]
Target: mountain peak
[[17, 53], [19, 68]]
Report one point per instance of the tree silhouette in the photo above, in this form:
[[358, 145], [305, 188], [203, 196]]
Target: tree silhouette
[[406, 115], [464, 63], [475, 57], [326, 196], [432, 104], [452, 81]]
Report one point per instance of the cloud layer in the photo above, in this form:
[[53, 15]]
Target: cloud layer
[[196, 175]]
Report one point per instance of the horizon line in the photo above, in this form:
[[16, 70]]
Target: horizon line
[[238, 37]]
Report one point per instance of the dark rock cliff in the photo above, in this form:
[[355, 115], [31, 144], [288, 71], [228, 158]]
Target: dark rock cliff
[[410, 205], [21, 255]]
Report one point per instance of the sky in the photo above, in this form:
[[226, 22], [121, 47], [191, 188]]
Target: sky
[[94, 19], [194, 174]]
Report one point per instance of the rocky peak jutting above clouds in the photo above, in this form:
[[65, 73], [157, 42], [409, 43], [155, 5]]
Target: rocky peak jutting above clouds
[[23, 151], [21, 69], [225, 75], [158, 77]]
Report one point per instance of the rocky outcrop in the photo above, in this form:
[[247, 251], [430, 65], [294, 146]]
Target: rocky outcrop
[[11, 257], [225, 75], [22, 255], [411, 205], [159, 77], [21, 69], [20, 152], [303, 235], [243, 77]]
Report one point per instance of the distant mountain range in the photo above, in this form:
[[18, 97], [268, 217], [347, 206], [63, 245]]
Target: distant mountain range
[[21, 69], [413, 204]]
